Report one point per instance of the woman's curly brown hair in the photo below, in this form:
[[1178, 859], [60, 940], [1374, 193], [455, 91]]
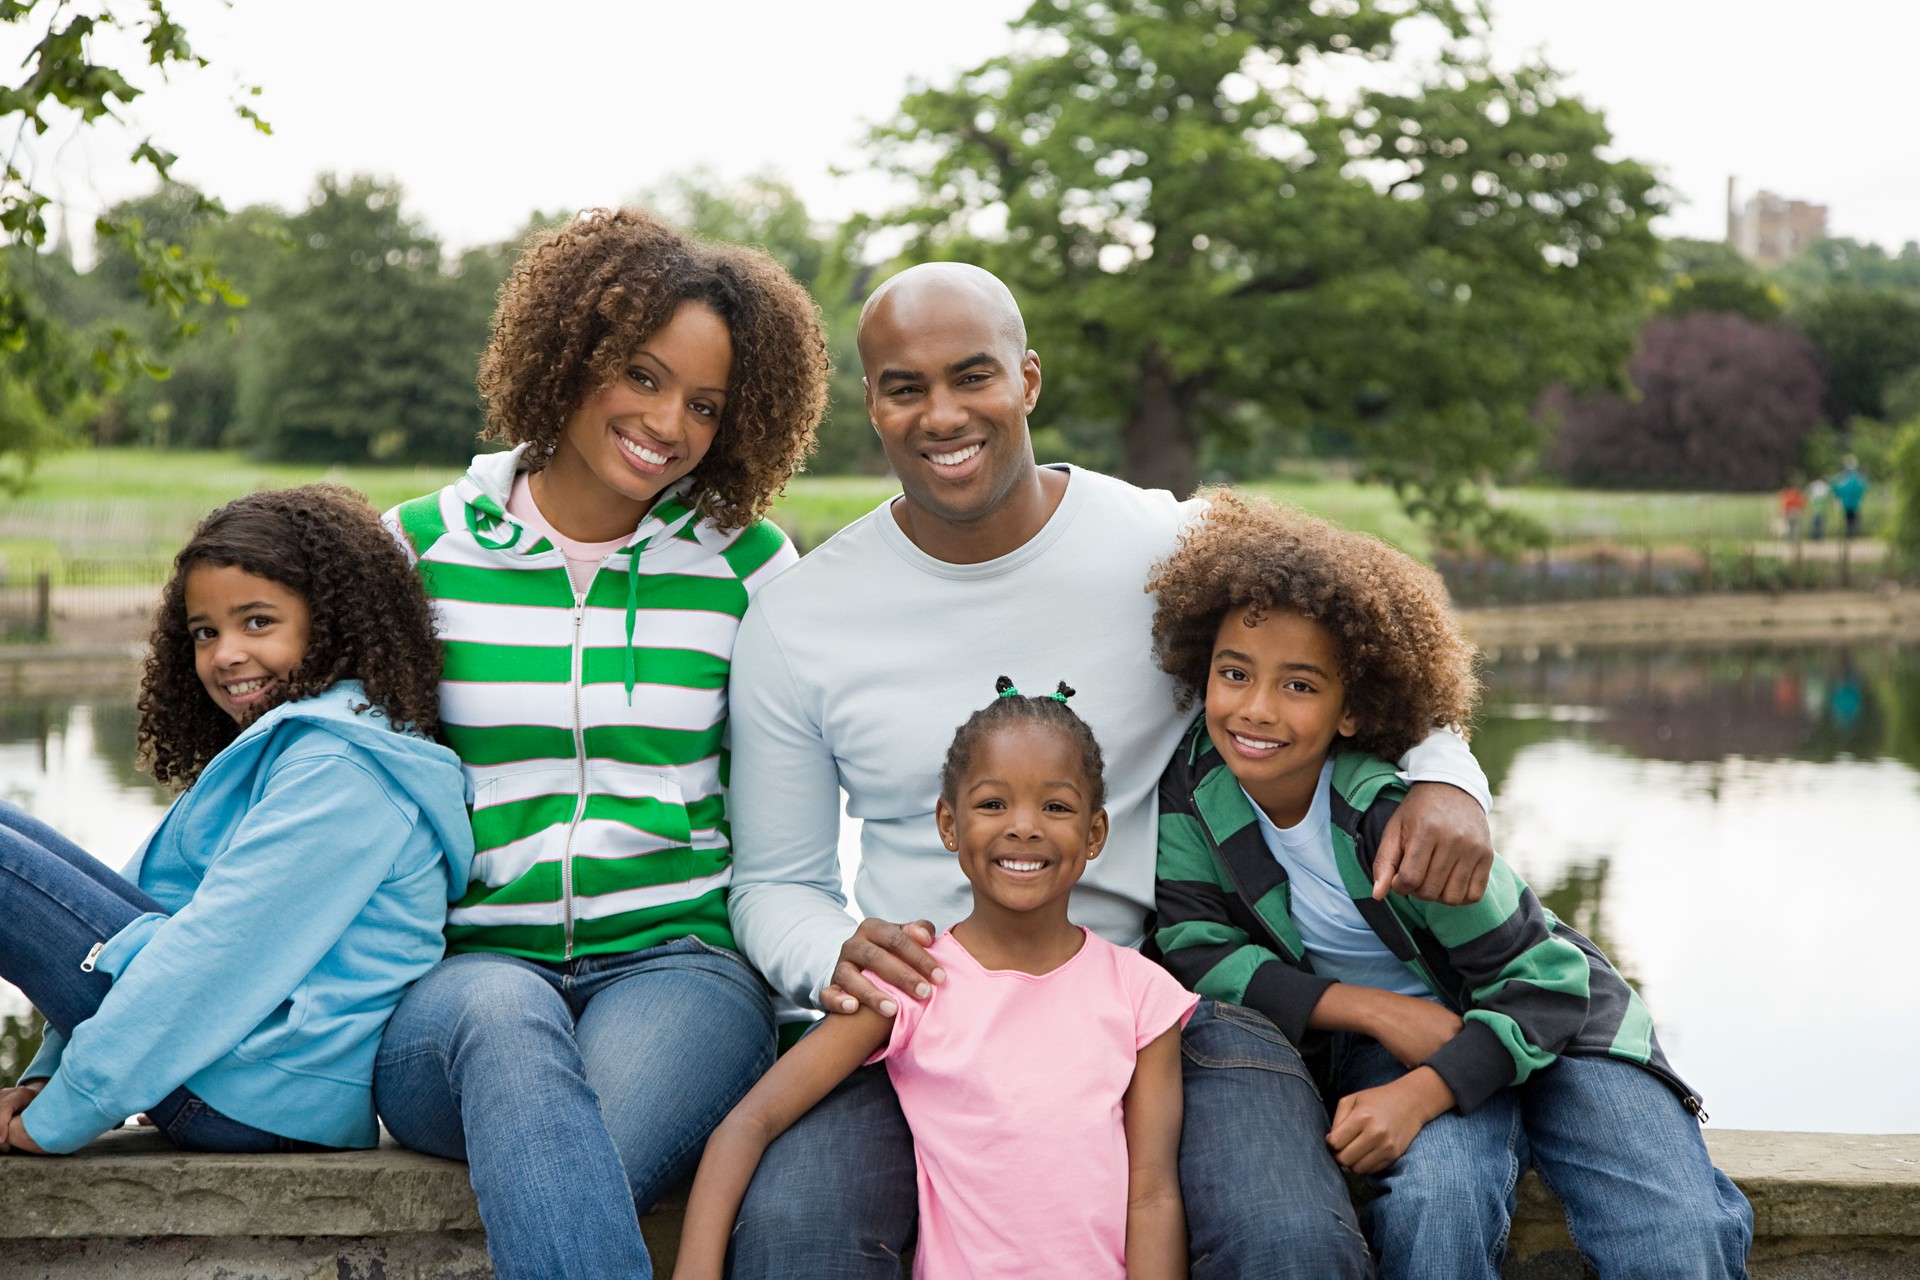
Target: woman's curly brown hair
[[369, 621], [584, 297], [1405, 664]]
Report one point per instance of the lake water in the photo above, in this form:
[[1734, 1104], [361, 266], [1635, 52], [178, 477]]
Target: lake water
[[1736, 827]]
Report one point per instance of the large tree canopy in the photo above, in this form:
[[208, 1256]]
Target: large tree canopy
[[1198, 218]]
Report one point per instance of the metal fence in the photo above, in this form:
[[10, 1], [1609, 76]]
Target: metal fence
[[83, 599], [1613, 571]]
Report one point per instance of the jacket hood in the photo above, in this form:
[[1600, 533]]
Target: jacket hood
[[424, 771], [489, 481], [485, 489]]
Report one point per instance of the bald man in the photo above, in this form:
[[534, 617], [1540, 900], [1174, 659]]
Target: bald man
[[852, 671]]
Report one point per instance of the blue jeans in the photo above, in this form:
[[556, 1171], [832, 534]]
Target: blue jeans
[[834, 1197], [574, 1092], [59, 901], [1610, 1140]]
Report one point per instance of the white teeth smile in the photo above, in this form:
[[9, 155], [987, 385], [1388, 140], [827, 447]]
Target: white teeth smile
[[643, 453], [1254, 744], [241, 688], [954, 459], [1011, 865]]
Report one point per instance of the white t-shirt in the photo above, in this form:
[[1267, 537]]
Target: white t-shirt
[[853, 669], [1338, 939]]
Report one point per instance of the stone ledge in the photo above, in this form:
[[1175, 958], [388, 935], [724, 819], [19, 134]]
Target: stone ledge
[[1825, 1205]]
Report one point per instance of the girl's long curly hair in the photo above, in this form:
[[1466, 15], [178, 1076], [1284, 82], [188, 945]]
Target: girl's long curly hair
[[369, 621], [1406, 666], [584, 297]]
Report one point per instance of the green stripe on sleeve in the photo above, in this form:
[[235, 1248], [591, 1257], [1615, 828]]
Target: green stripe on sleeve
[[758, 543]]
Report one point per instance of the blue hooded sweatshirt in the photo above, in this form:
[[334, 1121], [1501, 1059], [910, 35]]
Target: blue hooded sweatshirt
[[306, 877]]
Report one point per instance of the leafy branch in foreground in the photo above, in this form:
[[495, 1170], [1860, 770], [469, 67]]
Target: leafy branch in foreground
[[65, 84]]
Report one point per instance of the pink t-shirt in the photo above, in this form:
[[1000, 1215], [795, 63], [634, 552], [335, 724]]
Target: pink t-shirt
[[583, 558], [1012, 1084]]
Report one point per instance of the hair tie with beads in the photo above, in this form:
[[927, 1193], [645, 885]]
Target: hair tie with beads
[[1004, 687], [1062, 692]]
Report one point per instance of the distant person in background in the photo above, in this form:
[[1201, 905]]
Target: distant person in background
[[1793, 501], [1817, 494], [1850, 490]]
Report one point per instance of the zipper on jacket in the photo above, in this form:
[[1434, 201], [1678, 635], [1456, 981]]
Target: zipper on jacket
[[86, 966], [580, 777]]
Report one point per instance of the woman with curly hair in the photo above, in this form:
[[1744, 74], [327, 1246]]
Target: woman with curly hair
[[595, 1021], [232, 983], [1461, 1042]]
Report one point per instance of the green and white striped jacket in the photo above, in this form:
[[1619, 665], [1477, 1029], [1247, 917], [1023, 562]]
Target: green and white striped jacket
[[592, 730], [1528, 987]]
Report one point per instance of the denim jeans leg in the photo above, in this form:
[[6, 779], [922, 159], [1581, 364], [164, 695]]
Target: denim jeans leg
[[58, 902], [835, 1196], [1263, 1195], [1628, 1164], [480, 1063], [1444, 1207], [671, 1038]]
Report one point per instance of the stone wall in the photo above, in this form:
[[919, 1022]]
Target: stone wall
[[1826, 1207]]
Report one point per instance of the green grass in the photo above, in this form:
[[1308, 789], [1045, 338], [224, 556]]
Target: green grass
[[136, 504]]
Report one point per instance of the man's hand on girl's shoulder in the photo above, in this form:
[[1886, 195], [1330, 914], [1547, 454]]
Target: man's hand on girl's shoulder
[[1437, 847], [896, 952]]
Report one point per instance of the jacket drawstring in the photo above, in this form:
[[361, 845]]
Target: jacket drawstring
[[633, 608]]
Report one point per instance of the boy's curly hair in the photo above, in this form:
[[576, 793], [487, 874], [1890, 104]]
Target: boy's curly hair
[[1405, 664], [369, 621], [584, 297]]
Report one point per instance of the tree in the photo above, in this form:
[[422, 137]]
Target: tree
[[1193, 227], [1867, 338], [1842, 261], [1734, 293], [365, 350], [49, 373], [1904, 462], [1723, 403]]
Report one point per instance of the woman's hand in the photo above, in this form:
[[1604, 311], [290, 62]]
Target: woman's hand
[[13, 1134], [1374, 1127], [896, 952]]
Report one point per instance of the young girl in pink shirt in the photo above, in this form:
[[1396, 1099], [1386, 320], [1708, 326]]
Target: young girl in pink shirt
[[1042, 1079]]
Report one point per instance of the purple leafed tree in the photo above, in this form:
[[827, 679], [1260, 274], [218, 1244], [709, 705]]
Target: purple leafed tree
[[1724, 403]]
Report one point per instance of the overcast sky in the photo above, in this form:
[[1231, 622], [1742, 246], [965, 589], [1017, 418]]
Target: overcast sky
[[486, 110]]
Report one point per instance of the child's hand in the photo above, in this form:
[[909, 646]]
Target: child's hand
[[18, 1141], [1412, 1029], [13, 1134], [1374, 1127], [896, 952]]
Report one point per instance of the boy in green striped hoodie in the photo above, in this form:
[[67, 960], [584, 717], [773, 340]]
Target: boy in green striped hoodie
[[1461, 1042]]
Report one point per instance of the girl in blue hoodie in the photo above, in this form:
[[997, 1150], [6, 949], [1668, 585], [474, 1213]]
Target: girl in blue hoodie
[[233, 982]]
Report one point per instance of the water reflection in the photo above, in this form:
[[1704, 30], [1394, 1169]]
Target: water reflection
[[1720, 821]]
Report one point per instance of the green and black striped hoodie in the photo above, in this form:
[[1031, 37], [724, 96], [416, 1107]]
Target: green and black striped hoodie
[[1528, 987]]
